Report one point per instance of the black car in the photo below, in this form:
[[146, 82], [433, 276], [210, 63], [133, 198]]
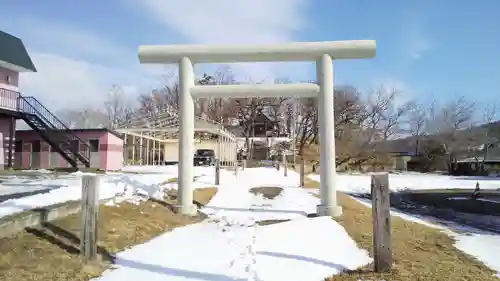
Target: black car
[[204, 157]]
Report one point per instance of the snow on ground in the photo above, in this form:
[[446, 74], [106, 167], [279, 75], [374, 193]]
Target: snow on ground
[[360, 183], [478, 199], [12, 183], [480, 244], [40, 171], [70, 190], [216, 252], [233, 200], [68, 187], [13, 188], [169, 169], [230, 245]]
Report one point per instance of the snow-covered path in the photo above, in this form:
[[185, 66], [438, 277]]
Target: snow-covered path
[[230, 245]]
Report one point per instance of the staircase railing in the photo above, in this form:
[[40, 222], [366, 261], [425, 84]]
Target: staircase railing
[[8, 98], [31, 105]]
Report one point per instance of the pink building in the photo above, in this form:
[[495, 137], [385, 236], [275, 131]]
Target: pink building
[[14, 59], [106, 150], [50, 143]]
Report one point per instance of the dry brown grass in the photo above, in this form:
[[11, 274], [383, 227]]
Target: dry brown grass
[[309, 183], [170, 180], [419, 252], [311, 153], [50, 252]]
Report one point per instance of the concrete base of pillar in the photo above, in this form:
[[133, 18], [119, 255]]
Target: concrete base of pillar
[[188, 210], [331, 211]]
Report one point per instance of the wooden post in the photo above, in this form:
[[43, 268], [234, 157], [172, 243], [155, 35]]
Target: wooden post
[[141, 150], [125, 150], [382, 251], [236, 166], [285, 166], [134, 147], [217, 171], [89, 216], [302, 172]]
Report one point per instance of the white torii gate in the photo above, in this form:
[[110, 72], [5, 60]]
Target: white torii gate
[[321, 52]]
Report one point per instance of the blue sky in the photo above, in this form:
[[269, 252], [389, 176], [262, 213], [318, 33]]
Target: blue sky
[[425, 49]]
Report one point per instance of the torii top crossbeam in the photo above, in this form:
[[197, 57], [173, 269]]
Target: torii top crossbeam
[[297, 51]]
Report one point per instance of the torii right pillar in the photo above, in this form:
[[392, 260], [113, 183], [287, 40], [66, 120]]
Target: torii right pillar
[[328, 171]]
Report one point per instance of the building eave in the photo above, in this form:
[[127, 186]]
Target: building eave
[[15, 68], [14, 54]]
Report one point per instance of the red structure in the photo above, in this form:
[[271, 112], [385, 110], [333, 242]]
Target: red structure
[[106, 150]]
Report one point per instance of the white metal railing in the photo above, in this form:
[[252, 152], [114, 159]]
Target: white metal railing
[[8, 99]]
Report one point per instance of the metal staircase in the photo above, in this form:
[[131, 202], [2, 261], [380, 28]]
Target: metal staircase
[[54, 132]]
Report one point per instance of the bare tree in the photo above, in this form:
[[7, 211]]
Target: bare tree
[[416, 124], [217, 109], [118, 108], [247, 110], [307, 123], [486, 138], [351, 118], [368, 124], [451, 127], [84, 118], [167, 98]]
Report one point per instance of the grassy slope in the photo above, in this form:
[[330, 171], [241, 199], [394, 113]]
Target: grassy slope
[[419, 252], [50, 252]]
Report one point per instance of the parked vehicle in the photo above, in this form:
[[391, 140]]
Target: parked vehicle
[[204, 157]]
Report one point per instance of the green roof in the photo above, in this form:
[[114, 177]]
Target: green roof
[[12, 51]]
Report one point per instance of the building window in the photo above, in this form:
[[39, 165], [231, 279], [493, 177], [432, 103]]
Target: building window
[[259, 130], [94, 145], [8, 79], [18, 146], [36, 146]]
